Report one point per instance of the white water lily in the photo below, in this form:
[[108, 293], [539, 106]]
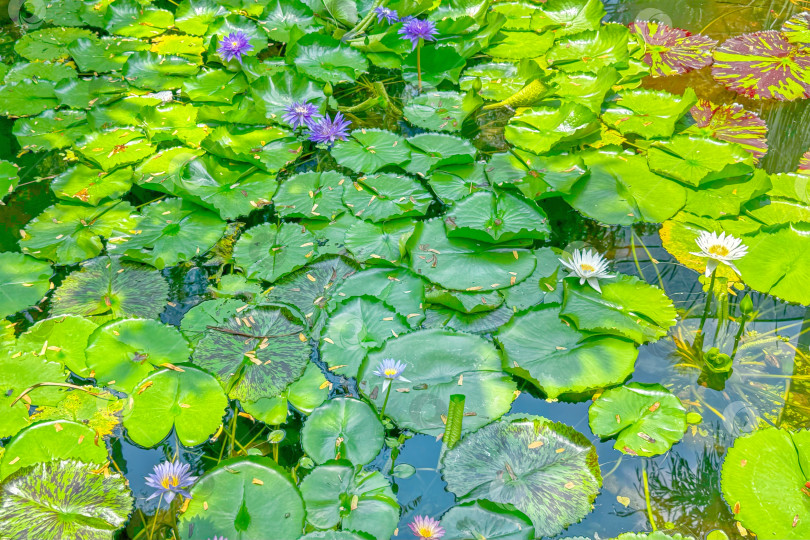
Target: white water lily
[[588, 266], [720, 249]]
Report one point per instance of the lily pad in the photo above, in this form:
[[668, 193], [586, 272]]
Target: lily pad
[[436, 361], [54, 440], [24, 281], [482, 519], [762, 480], [49, 43], [9, 178], [268, 148], [788, 279], [648, 113], [695, 160], [68, 233], [438, 257], [431, 151], [490, 217], [61, 339], [19, 372], [538, 129], [121, 353], [573, 16], [672, 51], [398, 288], [763, 65], [157, 72], [441, 111], [168, 232], [105, 288], [499, 80], [369, 150], [647, 419], [254, 353], [51, 130], [324, 58], [545, 469], [131, 19], [343, 428], [560, 359], [627, 306], [378, 242], [592, 50], [315, 195], [382, 197], [104, 54], [64, 499], [280, 90], [190, 400], [90, 185], [355, 327], [373, 508], [730, 122], [244, 498], [270, 251]]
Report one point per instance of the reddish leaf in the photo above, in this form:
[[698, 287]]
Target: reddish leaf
[[731, 123], [672, 51]]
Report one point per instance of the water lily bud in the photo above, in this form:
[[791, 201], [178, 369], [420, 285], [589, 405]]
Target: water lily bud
[[327, 89], [747, 305]]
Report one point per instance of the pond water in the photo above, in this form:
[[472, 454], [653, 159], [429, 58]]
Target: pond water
[[766, 387]]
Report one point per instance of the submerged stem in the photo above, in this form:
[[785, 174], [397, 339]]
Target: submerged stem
[[709, 296], [647, 497], [154, 518]]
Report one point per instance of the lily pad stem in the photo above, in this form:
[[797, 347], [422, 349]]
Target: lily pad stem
[[419, 65], [385, 402], [154, 518], [738, 336], [647, 496], [709, 296], [364, 22]]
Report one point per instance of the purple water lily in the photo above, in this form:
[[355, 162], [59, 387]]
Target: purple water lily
[[390, 370], [300, 113], [170, 479], [234, 45], [415, 29], [328, 130], [386, 14]]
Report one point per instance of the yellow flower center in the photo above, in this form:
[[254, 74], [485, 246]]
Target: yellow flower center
[[234, 44], [719, 250], [426, 532], [169, 481], [587, 267], [390, 372]]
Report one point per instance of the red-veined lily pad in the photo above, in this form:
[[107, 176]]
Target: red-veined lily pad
[[797, 28], [763, 65], [672, 51], [730, 122]]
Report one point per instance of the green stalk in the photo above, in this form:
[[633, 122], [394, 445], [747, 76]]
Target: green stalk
[[647, 496], [364, 23], [455, 417], [154, 519], [419, 64], [709, 296], [387, 393]]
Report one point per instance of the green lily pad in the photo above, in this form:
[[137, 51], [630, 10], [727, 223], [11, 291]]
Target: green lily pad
[[488, 217], [121, 353], [537, 177], [64, 499], [153, 71], [254, 353], [398, 288], [379, 242], [438, 257], [244, 498], [98, 410], [647, 419], [694, 160], [762, 480], [441, 111], [324, 58], [621, 190], [343, 428], [543, 286], [369, 150], [49, 43], [787, 248], [545, 469], [19, 372], [61, 339], [482, 519], [499, 80], [214, 86], [648, 113], [268, 148], [130, 19], [191, 401], [627, 306], [208, 313], [586, 89], [538, 129], [90, 185], [283, 18], [355, 327], [105, 288], [373, 508], [270, 251], [54, 440], [114, 148], [168, 232], [280, 90], [436, 361], [9, 178], [234, 22], [315, 195], [24, 281], [591, 51], [306, 394], [454, 182], [431, 151], [560, 359], [231, 188], [52, 130], [68, 233], [27, 98], [195, 16], [381, 197], [104, 54], [517, 45], [573, 16]]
